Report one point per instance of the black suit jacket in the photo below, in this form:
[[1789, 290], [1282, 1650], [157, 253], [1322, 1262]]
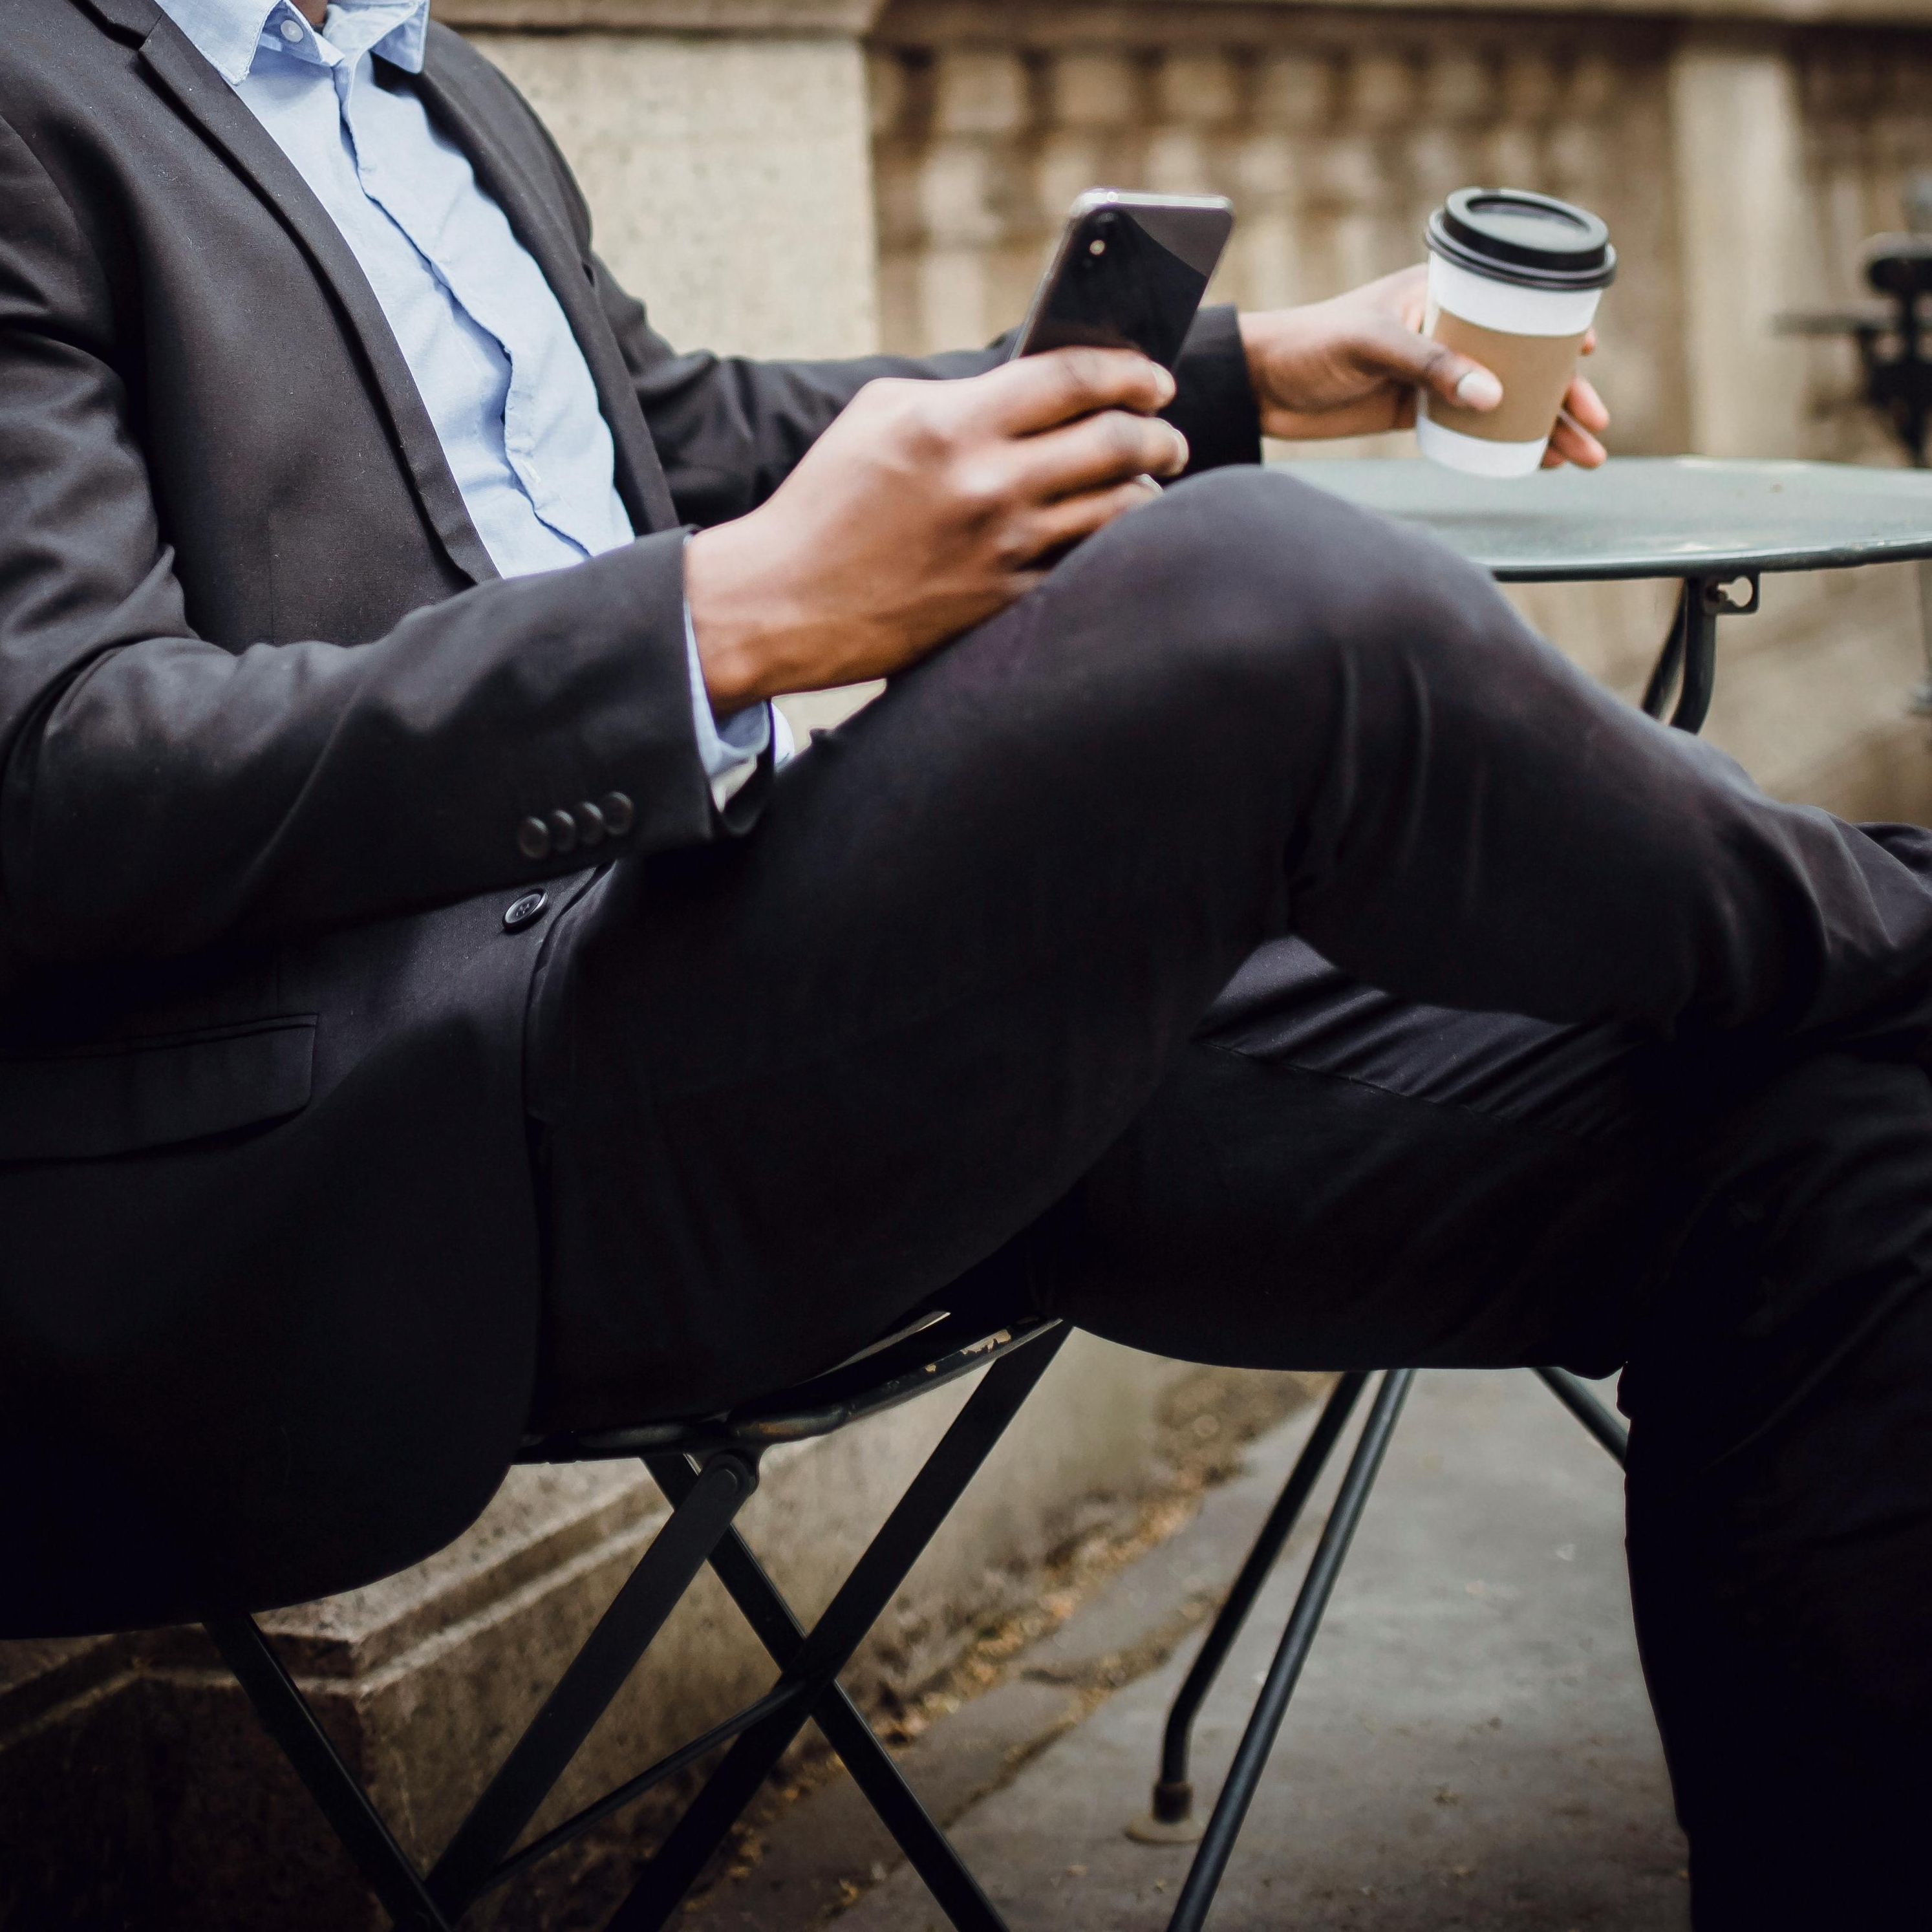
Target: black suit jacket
[[269, 724]]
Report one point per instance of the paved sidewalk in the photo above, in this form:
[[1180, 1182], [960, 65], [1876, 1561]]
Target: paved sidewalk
[[1470, 1745]]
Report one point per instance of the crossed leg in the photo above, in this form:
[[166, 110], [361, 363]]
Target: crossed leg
[[1331, 1177]]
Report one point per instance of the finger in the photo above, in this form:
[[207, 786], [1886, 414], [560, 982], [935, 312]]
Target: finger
[[1583, 404], [1096, 453], [1570, 442], [1408, 357], [1409, 289], [1060, 525], [1037, 392], [1589, 345]]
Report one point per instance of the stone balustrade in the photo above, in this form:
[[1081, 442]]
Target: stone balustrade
[[1333, 133], [1738, 169]]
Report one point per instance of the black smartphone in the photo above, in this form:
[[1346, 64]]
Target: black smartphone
[[1129, 273]]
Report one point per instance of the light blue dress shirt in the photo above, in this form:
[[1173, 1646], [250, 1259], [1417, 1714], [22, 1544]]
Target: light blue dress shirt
[[500, 373]]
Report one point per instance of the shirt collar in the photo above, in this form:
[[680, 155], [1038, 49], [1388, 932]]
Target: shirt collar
[[228, 33]]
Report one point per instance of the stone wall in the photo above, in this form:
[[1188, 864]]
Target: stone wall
[[1739, 168], [743, 227], [1333, 132]]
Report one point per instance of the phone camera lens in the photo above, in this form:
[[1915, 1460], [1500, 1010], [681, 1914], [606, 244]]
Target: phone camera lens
[[1096, 247]]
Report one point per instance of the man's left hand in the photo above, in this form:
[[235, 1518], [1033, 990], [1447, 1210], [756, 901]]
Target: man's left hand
[[1351, 367]]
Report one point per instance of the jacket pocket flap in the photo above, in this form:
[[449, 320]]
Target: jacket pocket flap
[[124, 1095]]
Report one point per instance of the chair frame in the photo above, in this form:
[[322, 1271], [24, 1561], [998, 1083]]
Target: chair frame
[[708, 1469]]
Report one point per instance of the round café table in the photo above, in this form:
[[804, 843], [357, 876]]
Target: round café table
[[1715, 526]]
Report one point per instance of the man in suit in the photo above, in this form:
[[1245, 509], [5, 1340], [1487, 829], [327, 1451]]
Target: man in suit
[[429, 1010]]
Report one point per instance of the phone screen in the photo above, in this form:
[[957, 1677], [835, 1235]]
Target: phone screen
[[1130, 273]]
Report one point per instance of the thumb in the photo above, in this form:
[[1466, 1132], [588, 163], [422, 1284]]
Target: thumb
[[1415, 358]]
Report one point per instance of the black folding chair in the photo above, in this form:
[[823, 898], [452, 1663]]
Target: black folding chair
[[707, 1469]]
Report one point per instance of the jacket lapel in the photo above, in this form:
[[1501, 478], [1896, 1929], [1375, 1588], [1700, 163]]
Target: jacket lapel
[[202, 94], [539, 224]]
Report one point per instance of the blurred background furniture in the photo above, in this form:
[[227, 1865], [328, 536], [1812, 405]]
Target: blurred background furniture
[[1889, 334]]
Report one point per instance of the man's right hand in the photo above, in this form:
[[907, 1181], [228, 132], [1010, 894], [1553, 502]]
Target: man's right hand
[[923, 510]]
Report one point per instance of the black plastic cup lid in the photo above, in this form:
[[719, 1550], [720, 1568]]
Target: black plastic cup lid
[[1533, 240]]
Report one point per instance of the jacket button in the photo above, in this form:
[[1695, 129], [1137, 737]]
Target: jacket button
[[524, 910], [589, 823], [619, 814], [533, 839], [562, 832]]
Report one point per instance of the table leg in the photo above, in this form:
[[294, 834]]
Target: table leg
[[1690, 651], [1921, 692], [1669, 659]]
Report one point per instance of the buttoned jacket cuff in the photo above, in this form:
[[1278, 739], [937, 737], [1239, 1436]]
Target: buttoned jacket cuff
[[1214, 405]]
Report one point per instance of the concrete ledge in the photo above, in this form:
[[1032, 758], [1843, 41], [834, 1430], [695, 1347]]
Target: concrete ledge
[[989, 18], [745, 17]]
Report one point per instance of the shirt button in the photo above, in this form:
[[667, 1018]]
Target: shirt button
[[562, 832], [533, 839], [524, 910], [619, 814], [289, 31]]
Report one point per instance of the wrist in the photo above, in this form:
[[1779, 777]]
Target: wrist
[[1261, 335], [731, 618], [1276, 344]]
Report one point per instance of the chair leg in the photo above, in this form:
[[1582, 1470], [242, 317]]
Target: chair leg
[[1575, 1397], [1203, 1876], [852, 1613], [926, 1846], [1172, 1810], [386, 1868], [597, 1673]]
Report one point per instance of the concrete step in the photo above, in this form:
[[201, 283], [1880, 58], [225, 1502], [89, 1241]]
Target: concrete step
[[1471, 1744]]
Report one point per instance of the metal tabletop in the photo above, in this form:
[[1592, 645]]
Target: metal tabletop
[[1686, 517]]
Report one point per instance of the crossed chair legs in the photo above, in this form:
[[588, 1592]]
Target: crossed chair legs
[[706, 1488], [706, 1491]]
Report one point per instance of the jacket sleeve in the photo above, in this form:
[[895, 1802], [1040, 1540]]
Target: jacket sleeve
[[729, 429], [159, 793]]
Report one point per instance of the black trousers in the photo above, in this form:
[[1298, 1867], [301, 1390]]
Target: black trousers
[[1259, 947]]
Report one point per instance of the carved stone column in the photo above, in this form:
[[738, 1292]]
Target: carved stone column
[[1739, 137], [725, 149]]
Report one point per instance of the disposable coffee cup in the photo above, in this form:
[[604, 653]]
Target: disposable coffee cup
[[1514, 280]]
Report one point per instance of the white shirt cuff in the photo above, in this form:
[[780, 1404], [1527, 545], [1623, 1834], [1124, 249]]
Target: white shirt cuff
[[729, 748]]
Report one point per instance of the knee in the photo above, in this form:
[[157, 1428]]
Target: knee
[[1267, 576]]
